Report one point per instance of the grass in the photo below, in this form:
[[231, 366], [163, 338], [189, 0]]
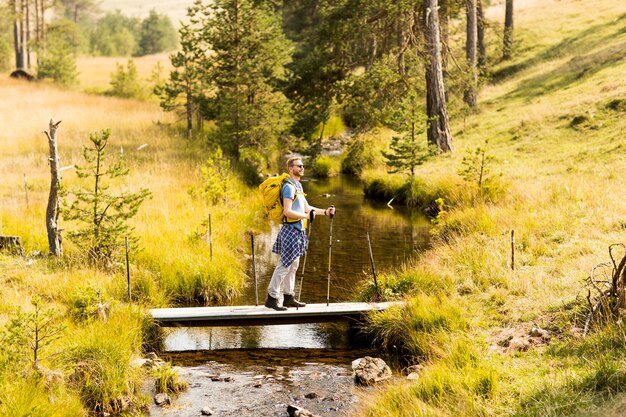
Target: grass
[[95, 73], [554, 120], [554, 117], [173, 264]]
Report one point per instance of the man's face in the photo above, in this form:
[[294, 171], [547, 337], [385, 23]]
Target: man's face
[[297, 169]]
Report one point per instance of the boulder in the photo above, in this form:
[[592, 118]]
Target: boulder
[[537, 331], [162, 400], [369, 371], [295, 411]]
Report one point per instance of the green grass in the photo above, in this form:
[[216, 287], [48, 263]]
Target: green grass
[[554, 118]]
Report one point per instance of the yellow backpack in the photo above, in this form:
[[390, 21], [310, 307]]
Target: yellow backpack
[[272, 202]]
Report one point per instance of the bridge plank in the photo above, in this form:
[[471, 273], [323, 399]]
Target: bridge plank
[[260, 315]]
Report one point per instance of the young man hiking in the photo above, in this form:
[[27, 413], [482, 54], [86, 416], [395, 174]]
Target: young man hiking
[[291, 242]]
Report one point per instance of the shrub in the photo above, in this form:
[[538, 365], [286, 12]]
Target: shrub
[[127, 84], [58, 63], [87, 303], [101, 355], [323, 167], [166, 380], [421, 328], [359, 155]]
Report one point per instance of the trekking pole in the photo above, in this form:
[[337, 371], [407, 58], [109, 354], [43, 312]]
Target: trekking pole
[[256, 292], [306, 250], [330, 248]]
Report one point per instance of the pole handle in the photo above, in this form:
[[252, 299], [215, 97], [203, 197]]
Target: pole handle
[[332, 214]]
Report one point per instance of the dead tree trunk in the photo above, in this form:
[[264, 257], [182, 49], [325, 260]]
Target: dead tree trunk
[[470, 93], [508, 31], [52, 212], [439, 126]]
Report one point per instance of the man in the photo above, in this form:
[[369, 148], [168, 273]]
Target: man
[[291, 242]]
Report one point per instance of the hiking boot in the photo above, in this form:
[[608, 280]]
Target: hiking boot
[[290, 301], [272, 302]]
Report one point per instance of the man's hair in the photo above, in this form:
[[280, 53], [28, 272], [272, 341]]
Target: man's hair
[[290, 161]]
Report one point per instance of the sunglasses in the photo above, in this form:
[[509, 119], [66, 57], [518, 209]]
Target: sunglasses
[[299, 166]]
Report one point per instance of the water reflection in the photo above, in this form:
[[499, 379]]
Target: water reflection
[[396, 236], [288, 336]]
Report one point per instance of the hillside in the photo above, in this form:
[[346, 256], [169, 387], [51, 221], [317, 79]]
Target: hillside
[[555, 121]]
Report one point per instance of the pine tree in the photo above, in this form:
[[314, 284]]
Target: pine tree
[[406, 151], [157, 34], [101, 215], [247, 64], [186, 84]]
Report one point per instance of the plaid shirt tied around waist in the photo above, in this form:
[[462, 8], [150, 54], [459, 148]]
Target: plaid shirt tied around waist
[[290, 244]]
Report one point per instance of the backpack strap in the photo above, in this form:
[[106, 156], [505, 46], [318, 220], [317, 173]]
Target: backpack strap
[[298, 192]]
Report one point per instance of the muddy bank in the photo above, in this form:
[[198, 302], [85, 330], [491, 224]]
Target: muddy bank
[[262, 382]]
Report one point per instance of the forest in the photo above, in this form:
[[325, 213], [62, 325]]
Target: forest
[[502, 122]]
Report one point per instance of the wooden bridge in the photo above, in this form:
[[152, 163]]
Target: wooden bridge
[[261, 315]]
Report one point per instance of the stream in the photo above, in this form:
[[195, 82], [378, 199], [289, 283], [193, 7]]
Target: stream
[[256, 371]]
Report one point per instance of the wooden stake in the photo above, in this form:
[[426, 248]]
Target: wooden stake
[[127, 269], [210, 239], [26, 189], [512, 249], [330, 249]]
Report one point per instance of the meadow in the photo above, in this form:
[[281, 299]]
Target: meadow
[[554, 118], [555, 124], [171, 265]]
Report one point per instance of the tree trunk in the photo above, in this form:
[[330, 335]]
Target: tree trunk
[[52, 212], [480, 30], [27, 29], [18, 40], [439, 125], [23, 34], [37, 31], [508, 31], [469, 95], [43, 27], [444, 23], [189, 111]]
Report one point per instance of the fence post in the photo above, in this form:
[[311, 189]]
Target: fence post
[[210, 239], [512, 249], [26, 189], [127, 269]]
